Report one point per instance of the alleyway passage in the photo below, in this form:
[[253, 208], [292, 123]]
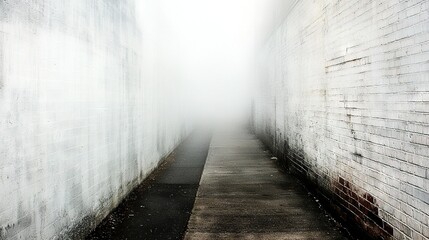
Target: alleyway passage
[[242, 195]]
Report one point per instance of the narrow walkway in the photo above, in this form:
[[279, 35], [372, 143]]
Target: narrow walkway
[[243, 195], [160, 208]]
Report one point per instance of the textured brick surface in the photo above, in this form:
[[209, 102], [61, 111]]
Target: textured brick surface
[[81, 123], [344, 99]]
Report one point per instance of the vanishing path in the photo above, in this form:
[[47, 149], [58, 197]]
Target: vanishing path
[[243, 195]]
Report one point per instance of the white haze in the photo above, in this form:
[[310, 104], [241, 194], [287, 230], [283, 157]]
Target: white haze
[[204, 50]]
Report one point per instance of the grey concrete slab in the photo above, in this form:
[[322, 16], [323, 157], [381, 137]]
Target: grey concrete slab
[[243, 195]]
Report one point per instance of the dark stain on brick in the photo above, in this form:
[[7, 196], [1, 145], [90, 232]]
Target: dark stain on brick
[[388, 228], [361, 208]]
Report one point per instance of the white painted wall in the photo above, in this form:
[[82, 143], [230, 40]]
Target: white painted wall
[[83, 117], [344, 96]]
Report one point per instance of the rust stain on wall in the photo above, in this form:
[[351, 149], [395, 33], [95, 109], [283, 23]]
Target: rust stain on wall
[[356, 206]]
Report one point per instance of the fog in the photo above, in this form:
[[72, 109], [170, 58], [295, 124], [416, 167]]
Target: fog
[[204, 52]]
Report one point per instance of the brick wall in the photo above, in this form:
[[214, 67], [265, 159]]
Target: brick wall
[[343, 99], [81, 116]]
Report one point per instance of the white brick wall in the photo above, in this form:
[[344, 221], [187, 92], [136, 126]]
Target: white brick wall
[[344, 96], [81, 121]]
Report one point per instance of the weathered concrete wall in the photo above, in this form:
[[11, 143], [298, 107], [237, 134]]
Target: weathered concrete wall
[[81, 121], [344, 100]]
